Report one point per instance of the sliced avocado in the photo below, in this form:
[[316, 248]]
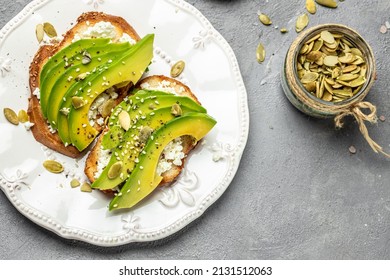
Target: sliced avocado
[[63, 79], [129, 68], [144, 179], [61, 60], [142, 104], [132, 144]]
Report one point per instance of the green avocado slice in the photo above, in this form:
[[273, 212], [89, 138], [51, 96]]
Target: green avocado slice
[[75, 89], [130, 147], [61, 60], [141, 105], [144, 179], [129, 68], [78, 71]]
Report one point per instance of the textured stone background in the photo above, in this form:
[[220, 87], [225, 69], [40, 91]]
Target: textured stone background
[[298, 194]]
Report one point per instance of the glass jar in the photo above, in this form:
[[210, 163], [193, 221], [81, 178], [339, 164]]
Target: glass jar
[[302, 99]]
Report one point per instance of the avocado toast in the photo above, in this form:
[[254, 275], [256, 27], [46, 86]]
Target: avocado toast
[[148, 138], [57, 69]]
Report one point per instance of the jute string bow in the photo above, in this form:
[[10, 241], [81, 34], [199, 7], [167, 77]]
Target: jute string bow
[[355, 110]]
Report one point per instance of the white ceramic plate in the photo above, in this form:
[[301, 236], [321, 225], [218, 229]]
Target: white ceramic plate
[[212, 72]]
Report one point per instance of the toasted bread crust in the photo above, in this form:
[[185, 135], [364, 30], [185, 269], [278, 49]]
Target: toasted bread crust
[[40, 129], [188, 142]]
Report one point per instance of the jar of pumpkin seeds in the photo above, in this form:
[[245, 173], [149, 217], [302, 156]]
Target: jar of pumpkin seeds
[[328, 69]]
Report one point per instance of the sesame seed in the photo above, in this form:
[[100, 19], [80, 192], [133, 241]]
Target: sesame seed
[[78, 70], [104, 78], [115, 205], [139, 182], [128, 191], [110, 61], [120, 194], [141, 167], [138, 189], [152, 113], [99, 59], [156, 102]]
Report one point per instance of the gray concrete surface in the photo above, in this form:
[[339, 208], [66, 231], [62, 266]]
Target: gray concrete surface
[[299, 193]]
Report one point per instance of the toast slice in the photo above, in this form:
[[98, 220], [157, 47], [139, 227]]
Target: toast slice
[[169, 168], [84, 28]]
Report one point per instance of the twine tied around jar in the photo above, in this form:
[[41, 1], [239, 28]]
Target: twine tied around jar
[[356, 111]]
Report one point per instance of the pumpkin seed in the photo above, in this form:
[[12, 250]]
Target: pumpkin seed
[[264, 19], [357, 90], [342, 93], [337, 85], [328, 87], [327, 96], [177, 69], [311, 6], [107, 108], [311, 86], [327, 3], [74, 183], [314, 56], [318, 44], [86, 58], [357, 52], [39, 32], [347, 58], [53, 166], [347, 77], [327, 37], [309, 77], [304, 49], [301, 23], [145, 133], [349, 68], [86, 187], [11, 116], [124, 120], [314, 38], [322, 89], [115, 170], [331, 60], [260, 53], [358, 60], [176, 110], [49, 30], [358, 82], [22, 116], [78, 102]]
